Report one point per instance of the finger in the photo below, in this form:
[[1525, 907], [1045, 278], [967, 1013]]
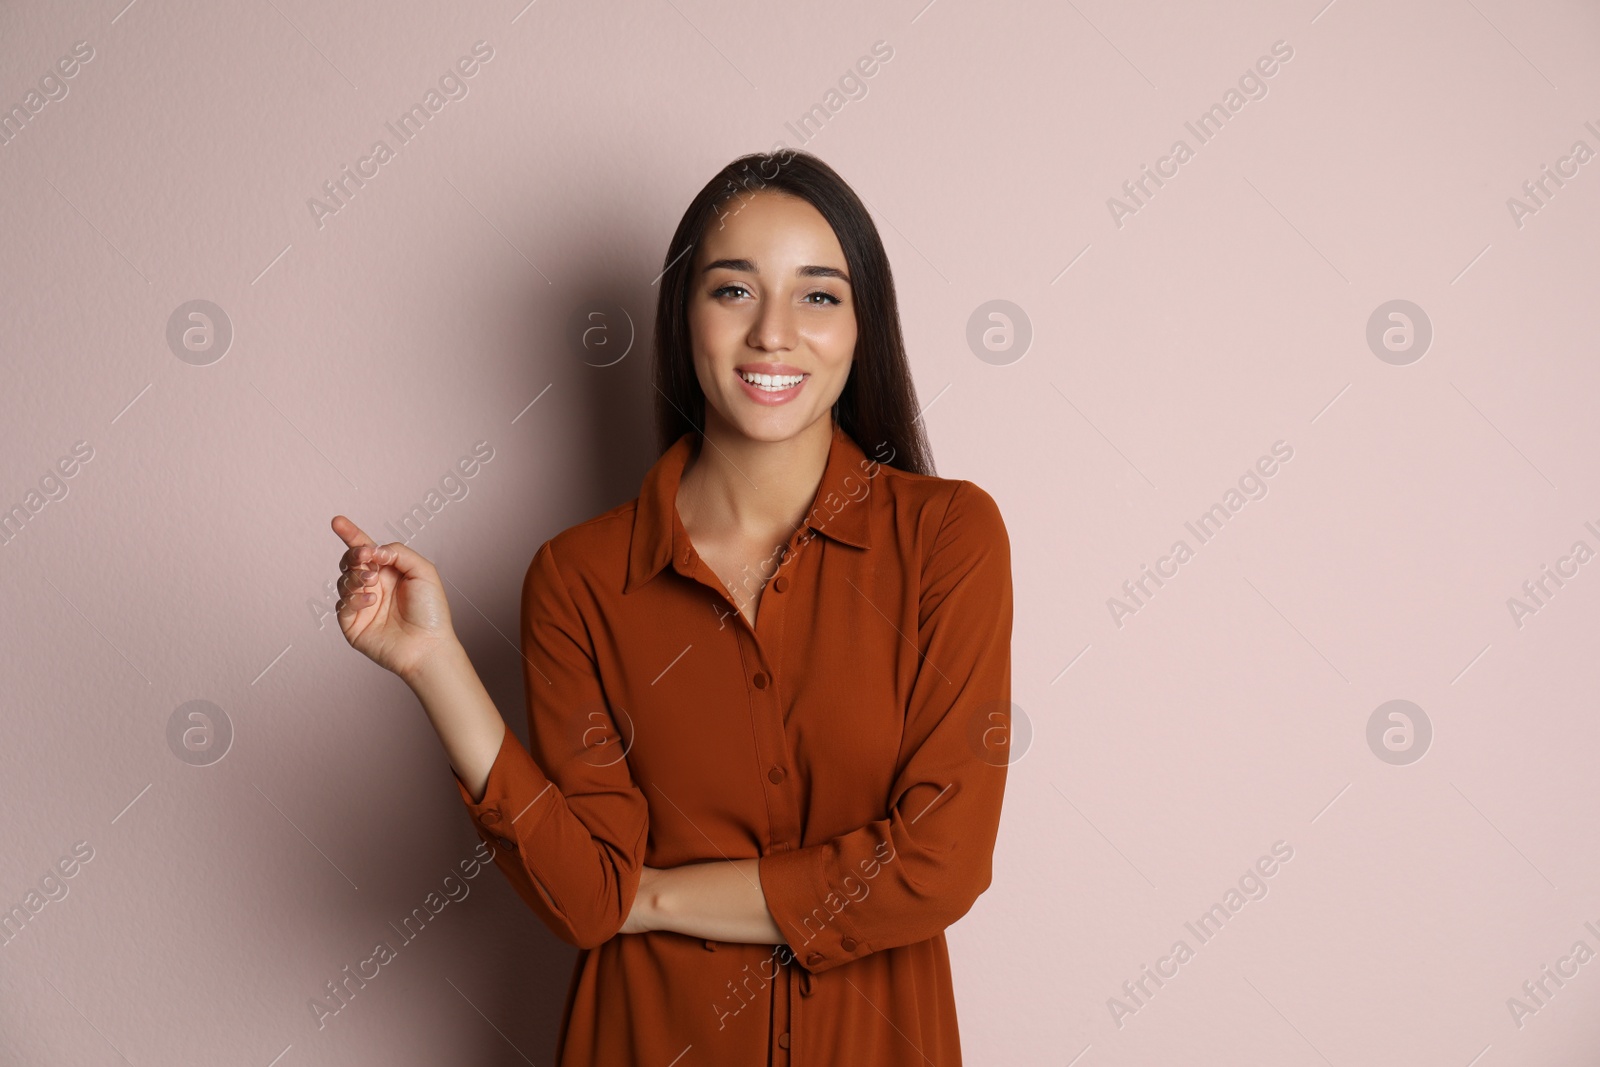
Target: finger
[[350, 533], [348, 607], [404, 559], [361, 545], [353, 581]]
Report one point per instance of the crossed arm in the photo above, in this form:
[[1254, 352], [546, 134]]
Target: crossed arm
[[721, 900], [578, 862]]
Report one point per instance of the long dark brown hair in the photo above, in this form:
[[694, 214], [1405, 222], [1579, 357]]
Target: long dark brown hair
[[878, 407]]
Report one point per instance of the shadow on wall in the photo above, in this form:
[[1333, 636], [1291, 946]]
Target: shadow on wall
[[585, 446]]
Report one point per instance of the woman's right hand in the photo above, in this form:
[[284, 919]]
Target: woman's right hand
[[392, 607]]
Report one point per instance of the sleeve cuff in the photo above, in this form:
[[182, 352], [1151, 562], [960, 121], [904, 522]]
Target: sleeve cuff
[[512, 797], [811, 915]]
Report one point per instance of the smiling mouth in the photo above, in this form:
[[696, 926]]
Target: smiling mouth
[[772, 383]]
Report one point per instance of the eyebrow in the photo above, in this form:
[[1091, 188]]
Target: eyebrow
[[810, 270]]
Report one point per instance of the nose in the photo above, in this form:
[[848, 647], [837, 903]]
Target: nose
[[773, 328]]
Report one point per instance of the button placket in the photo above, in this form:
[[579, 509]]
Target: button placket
[[764, 649]]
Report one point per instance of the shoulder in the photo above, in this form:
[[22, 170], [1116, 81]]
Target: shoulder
[[949, 510], [591, 548]]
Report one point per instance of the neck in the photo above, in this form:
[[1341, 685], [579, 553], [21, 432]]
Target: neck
[[751, 488]]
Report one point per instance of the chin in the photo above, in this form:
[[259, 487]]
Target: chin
[[775, 426]]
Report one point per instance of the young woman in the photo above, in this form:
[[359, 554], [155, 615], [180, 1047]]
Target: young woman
[[768, 700]]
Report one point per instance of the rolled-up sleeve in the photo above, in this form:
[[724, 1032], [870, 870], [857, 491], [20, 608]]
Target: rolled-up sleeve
[[567, 823], [904, 878]]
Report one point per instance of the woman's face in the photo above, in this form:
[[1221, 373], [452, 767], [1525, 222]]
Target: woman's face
[[771, 319]]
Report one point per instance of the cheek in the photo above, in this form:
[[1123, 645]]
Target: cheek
[[702, 338], [836, 339], [710, 327]]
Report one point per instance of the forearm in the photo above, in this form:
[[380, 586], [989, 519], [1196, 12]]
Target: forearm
[[720, 900], [463, 715]]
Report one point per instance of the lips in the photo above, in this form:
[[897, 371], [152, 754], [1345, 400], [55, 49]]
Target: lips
[[774, 382]]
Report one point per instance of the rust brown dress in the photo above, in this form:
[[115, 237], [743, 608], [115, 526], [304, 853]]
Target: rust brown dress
[[856, 740]]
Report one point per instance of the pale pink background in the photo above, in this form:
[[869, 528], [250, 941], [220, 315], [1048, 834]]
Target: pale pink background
[[1229, 313]]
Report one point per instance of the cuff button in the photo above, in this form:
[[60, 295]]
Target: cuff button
[[813, 959]]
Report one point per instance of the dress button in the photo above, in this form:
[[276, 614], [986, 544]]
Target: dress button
[[776, 775], [506, 843], [813, 959], [848, 944], [760, 680], [490, 817], [780, 583], [783, 1039], [711, 946]]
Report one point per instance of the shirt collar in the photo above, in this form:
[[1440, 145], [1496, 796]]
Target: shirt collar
[[838, 511]]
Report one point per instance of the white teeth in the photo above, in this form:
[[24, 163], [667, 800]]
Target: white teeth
[[772, 382]]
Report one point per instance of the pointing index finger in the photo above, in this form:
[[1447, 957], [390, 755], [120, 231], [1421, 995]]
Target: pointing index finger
[[350, 533]]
